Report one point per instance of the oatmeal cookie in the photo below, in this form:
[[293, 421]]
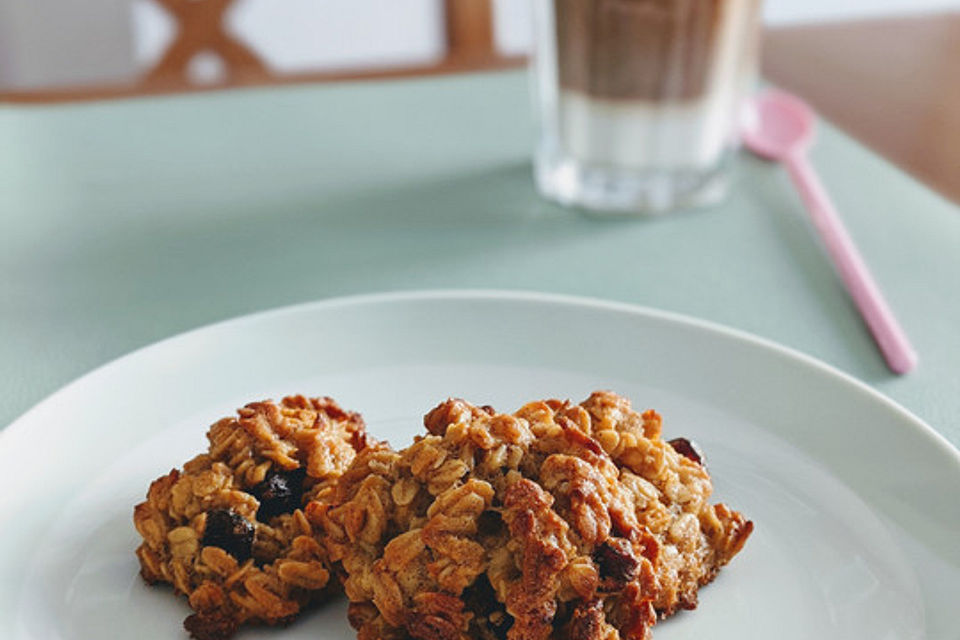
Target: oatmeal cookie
[[229, 530], [560, 521], [670, 486]]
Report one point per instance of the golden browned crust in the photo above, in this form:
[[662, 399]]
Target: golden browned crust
[[672, 495], [258, 561], [560, 521]]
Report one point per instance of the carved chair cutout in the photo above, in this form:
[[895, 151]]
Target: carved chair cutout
[[201, 33]]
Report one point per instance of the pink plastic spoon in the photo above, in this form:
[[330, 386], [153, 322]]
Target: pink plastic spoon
[[780, 128]]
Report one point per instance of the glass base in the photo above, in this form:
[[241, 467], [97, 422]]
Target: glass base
[[618, 191]]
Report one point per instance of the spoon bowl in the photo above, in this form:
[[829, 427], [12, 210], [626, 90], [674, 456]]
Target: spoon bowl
[[777, 125]]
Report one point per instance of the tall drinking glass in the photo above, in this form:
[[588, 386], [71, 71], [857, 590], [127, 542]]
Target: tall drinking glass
[[638, 100]]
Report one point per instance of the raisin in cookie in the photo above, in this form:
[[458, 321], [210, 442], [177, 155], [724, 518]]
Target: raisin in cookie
[[229, 530], [670, 487], [560, 521]]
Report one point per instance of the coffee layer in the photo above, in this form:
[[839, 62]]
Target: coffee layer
[[637, 49]]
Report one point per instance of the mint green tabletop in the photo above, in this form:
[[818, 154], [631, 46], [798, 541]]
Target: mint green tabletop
[[125, 222]]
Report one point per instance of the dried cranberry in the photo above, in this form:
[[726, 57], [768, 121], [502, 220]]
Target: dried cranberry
[[210, 626], [230, 531], [688, 449], [489, 523], [616, 563], [280, 492]]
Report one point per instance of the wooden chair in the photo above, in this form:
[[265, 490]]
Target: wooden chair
[[469, 36]]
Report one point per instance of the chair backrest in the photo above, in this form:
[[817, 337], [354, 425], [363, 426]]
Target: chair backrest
[[469, 40]]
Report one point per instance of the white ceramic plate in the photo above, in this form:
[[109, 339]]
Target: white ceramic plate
[[855, 501]]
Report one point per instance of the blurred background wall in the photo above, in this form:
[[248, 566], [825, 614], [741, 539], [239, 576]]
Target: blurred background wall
[[48, 43]]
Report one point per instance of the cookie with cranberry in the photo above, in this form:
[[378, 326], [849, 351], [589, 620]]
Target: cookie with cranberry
[[229, 531], [558, 521]]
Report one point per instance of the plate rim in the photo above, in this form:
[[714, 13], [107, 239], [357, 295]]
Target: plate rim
[[921, 427]]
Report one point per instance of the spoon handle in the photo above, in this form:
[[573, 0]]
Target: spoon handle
[[890, 337]]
